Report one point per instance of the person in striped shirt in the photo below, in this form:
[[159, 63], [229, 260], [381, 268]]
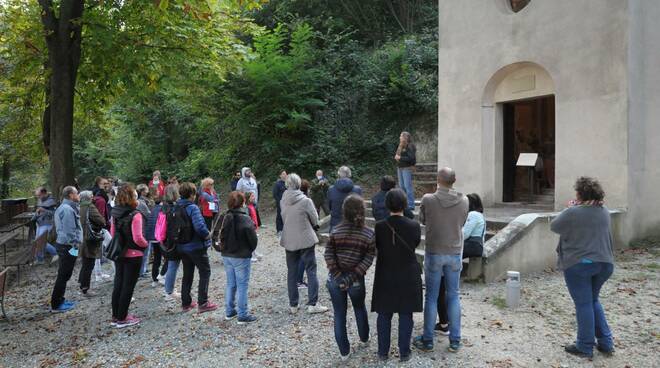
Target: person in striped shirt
[[348, 255]]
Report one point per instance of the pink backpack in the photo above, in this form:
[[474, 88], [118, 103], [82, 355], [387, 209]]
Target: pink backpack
[[160, 233]]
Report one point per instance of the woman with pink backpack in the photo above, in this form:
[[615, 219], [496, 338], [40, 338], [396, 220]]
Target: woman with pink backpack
[[172, 259]]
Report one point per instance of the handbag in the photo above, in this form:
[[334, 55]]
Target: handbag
[[93, 236], [217, 243], [115, 249]]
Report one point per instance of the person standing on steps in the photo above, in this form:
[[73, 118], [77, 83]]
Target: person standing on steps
[[69, 239], [92, 223], [278, 191], [586, 257], [299, 240], [444, 213], [348, 255], [398, 278], [337, 194], [319, 193], [378, 207], [406, 159]]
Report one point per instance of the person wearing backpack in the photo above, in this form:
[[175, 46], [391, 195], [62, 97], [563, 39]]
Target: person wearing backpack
[[157, 273], [172, 257], [92, 224], [238, 239], [193, 240], [127, 225]]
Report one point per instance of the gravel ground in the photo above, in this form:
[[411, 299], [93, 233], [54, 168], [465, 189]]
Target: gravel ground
[[531, 336]]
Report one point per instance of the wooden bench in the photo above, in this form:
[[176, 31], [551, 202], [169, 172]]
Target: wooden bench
[[3, 286], [5, 238]]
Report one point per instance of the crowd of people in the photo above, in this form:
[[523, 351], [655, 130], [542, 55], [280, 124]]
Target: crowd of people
[[177, 223]]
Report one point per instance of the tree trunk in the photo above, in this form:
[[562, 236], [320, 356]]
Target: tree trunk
[[45, 120], [63, 38], [6, 174]]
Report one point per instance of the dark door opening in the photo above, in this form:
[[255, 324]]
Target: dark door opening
[[529, 127]]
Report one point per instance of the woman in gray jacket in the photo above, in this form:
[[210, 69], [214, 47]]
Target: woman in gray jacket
[[585, 256], [299, 238]]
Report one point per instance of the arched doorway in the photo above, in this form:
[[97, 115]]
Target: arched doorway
[[519, 107]]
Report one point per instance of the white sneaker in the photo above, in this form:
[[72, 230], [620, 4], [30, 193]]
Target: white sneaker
[[293, 310], [345, 357], [154, 283], [253, 259], [161, 279], [54, 259], [312, 309], [258, 255]]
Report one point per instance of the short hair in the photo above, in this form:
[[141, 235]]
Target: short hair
[[475, 203], [353, 210], [344, 172], [304, 186], [126, 196], [235, 200], [187, 190], [99, 179], [86, 195], [156, 173], [42, 190], [142, 189], [207, 182], [387, 182], [68, 190], [446, 175], [396, 200], [171, 193], [293, 181], [589, 189]]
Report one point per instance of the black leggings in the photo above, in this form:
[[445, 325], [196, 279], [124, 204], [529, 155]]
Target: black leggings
[[127, 271], [442, 304], [85, 275], [158, 257]]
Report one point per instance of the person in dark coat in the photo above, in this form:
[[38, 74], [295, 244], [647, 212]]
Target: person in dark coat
[[398, 281], [278, 191], [379, 210], [90, 250], [234, 180], [338, 192]]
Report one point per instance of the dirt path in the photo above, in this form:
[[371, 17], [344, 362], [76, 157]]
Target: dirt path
[[531, 336]]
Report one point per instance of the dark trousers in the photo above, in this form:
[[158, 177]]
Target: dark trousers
[[198, 258], [127, 271], [279, 223], [443, 318], [384, 326], [209, 222], [339, 299], [64, 272], [158, 259], [324, 206], [300, 276], [308, 258], [85, 275]]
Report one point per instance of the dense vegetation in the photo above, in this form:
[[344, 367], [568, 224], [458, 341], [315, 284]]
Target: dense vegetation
[[196, 90]]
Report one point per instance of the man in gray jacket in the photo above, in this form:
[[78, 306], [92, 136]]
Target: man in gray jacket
[[444, 213], [69, 239]]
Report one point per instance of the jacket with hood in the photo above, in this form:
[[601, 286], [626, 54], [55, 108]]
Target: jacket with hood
[[49, 205], [88, 210], [238, 234], [200, 232], [248, 184], [336, 195], [132, 231], [444, 213], [300, 220]]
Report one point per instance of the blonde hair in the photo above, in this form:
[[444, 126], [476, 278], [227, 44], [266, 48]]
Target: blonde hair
[[207, 182]]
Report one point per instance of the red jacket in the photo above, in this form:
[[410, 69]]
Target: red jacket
[[161, 187], [253, 215], [204, 202]]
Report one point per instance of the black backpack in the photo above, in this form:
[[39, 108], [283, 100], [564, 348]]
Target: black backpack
[[179, 228]]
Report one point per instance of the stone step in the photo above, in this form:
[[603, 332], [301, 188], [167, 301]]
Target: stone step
[[418, 202], [427, 167]]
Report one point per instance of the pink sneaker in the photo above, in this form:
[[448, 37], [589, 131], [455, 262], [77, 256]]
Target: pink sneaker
[[128, 322], [190, 307], [207, 307]]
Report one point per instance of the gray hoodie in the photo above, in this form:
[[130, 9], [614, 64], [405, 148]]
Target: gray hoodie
[[300, 218], [444, 213], [248, 184]]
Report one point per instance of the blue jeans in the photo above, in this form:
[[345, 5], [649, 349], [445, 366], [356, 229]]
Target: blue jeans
[[49, 248], [584, 281], [308, 257], [170, 276], [144, 268], [384, 326], [238, 277], [435, 268], [339, 299], [406, 183]]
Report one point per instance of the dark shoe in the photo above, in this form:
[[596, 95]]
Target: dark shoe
[[422, 345], [454, 346], [572, 349], [442, 330], [229, 317], [604, 351], [247, 319], [405, 358], [383, 358]]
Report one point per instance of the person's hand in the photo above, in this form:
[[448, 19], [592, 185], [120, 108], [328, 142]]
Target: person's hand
[[397, 157], [39, 210]]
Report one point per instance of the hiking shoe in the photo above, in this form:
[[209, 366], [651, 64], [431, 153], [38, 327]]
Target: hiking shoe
[[229, 317], [128, 322], [454, 346], [422, 345], [293, 310], [207, 307], [440, 330], [64, 307], [572, 349], [188, 308], [605, 351], [313, 309], [302, 285], [247, 319]]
